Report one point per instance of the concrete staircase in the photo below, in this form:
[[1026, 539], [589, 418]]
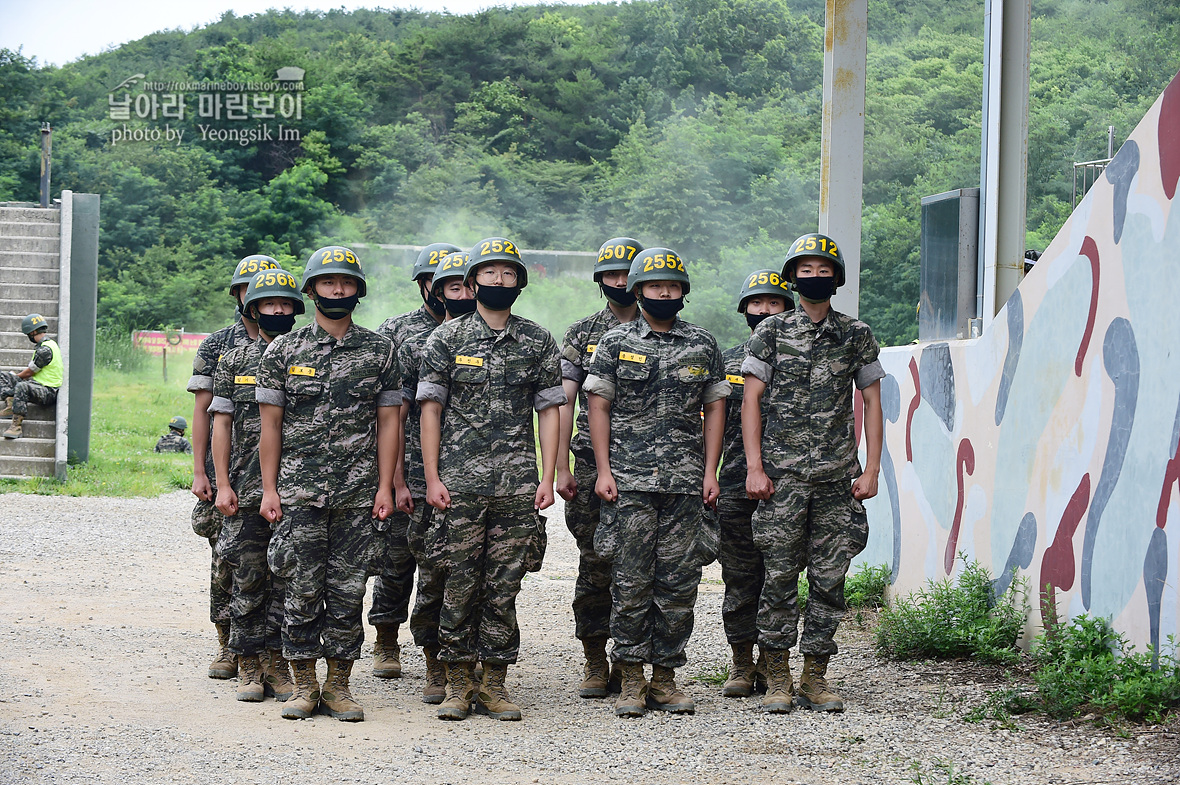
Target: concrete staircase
[[30, 264]]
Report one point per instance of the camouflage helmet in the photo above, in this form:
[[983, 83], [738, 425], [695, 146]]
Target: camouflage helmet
[[814, 244], [616, 253], [273, 283], [496, 249], [429, 258], [178, 423], [249, 266], [333, 260], [767, 282], [657, 264], [452, 265], [33, 323]]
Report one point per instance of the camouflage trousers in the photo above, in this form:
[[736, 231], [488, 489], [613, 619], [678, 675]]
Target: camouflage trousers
[[651, 540], [25, 391], [394, 584], [592, 590], [207, 521], [487, 540], [741, 570], [325, 555], [814, 526], [256, 606], [432, 581]]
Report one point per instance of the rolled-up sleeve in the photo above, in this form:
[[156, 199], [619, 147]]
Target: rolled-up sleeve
[[870, 373], [429, 391], [198, 382], [599, 386], [390, 398], [575, 373], [271, 397], [715, 392], [763, 371], [221, 405], [550, 396]]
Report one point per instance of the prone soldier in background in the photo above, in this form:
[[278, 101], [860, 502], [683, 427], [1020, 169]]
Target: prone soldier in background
[[272, 299], [174, 440], [206, 518], [763, 293], [592, 589], [328, 395], [395, 581], [38, 382]]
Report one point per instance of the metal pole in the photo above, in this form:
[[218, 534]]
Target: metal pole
[[165, 356], [1110, 141], [46, 162]]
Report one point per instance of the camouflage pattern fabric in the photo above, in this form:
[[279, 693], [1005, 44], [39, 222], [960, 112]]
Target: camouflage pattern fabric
[[650, 539], [741, 569], [25, 391], [487, 541], [256, 605], [732, 476], [209, 354], [330, 391], [431, 581], [221, 579], [819, 527], [405, 325], [325, 556], [233, 394], [409, 359], [395, 579], [809, 370], [658, 383], [173, 442], [576, 350], [490, 382]]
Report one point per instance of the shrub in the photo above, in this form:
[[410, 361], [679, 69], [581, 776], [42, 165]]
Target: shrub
[[866, 589], [114, 349]]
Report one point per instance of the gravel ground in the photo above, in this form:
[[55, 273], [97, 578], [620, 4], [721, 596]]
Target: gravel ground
[[105, 642]]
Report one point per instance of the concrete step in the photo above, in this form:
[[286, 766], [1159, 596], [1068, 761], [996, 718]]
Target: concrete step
[[41, 276], [30, 215], [13, 358], [21, 308], [28, 292], [33, 429], [26, 446], [30, 228], [18, 243], [11, 323], [15, 466], [14, 339], [28, 260]]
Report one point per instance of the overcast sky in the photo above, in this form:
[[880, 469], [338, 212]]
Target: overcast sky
[[59, 31]]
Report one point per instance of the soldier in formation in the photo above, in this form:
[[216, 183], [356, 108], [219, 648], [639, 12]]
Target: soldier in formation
[[38, 382], [174, 440]]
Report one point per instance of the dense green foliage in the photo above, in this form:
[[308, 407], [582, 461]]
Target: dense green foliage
[[688, 123]]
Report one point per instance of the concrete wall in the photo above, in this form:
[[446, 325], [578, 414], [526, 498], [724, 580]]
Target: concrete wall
[[1051, 443]]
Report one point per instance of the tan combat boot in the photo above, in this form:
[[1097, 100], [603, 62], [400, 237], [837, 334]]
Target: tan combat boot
[[14, 430], [780, 687], [460, 691], [276, 677], [597, 673], [664, 695], [632, 700], [813, 690], [740, 683], [250, 687], [435, 690], [387, 655], [335, 698], [492, 698], [7, 410], [307, 691], [225, 664]]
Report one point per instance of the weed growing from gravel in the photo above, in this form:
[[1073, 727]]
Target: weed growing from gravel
[[866, 589], [961, 618], [942, 767]]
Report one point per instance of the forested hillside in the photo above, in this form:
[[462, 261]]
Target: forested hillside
[[688, 123]]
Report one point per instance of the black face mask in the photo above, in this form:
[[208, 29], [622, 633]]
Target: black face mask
[[435, 304], [817, 289], [336, 308], [276, 323], [663, 310], [497, 298], [457, 308], [756, 319], [618, 295]]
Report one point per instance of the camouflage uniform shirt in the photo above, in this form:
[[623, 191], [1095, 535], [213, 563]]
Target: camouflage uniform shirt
[[209, 353], [489, 383], [657, 383], [330, 391], [732, 476], [809, 370], [576, 350], [173, 442], [409, 359], [233, 394], [401, 327]]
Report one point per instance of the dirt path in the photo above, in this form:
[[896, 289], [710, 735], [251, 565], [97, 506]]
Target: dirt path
[[104, 643]]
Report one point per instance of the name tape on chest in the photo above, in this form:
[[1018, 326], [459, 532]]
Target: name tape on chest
[[244, 380], [301, 370], [632, 358], [590, 347], [462, 359], [733, 378], [695, 371]]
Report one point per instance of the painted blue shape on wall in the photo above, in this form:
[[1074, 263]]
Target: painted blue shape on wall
[[1155, 573], [1120, 172], [938, 382], [1015, 309], [1120, 357], [1021, 555], [891, 408]]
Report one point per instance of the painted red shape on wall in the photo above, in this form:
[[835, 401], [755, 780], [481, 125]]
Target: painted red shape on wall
[[1171, 477], [1090, 251], [1058, 563], [964, 462], [1169, 137], [909, 420]]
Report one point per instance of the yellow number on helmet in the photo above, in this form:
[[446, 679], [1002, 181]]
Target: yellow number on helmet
[[485, 248], [763, 278], [810, 244]]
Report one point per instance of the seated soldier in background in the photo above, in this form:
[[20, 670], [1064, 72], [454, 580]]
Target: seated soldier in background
[[174, 440], [38, 383]]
